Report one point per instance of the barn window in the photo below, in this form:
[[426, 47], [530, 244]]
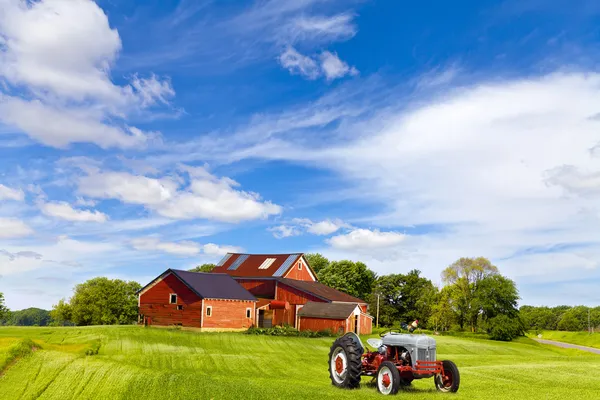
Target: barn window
[[208, 311], [180, 308], [300, 266], [173, 298], [248, 313]]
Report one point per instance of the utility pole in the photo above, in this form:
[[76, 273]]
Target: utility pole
[[589, 324], [377, 321]]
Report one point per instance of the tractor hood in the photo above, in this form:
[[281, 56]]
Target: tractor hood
[[402, 339]]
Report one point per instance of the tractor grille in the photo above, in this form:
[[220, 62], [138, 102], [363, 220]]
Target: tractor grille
[[426, 354]]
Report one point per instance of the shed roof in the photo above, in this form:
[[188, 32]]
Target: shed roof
[[320, 290], [210, 285], [257, 265], [327, 310]]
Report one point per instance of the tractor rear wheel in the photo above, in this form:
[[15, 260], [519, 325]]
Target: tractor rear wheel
[[344, 364], [388, 378], [449, 381]]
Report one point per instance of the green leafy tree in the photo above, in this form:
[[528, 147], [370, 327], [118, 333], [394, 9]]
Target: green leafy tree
[[497, 295], [464, 275], [100, 301], [61, 313], [3, 309], [317, 262], [442, 314], [504, 328], [203, 268], [30, 317], [404, 298], [351, 277]]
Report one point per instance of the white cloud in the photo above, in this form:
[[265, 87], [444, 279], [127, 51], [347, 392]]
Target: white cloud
[[334, 68], [7, 193], [217, 250], [65, 211], [206, 196], [80, 201], [359, 239], [13, 228], [60, 52], [299, 64], [183, 248], [325, 227], [574, 181], [327, 64], [321, 28], [153, 244], [284, 231]]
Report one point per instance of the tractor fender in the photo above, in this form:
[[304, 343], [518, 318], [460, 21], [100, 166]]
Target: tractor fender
[[356, 341]]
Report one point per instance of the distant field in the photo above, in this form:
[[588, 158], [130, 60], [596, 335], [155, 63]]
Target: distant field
[[580, 338], [134, 363]]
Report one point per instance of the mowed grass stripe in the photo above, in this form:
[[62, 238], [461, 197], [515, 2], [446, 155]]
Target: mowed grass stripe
[[134, 362]]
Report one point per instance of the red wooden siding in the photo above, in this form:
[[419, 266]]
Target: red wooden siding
[[319, 324], [228, 314], [366, 325], [295, 296], [154, 303], [259, 288], [299, 272], [363, 308]]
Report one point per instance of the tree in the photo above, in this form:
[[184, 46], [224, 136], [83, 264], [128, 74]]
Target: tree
[[317, 262], [100, 301], [353, 278], [3, 310], [442, 315], [30, 317], [404, 298], [61, 313], [465, 275], [497, 295], [203, 268], [504, 328]]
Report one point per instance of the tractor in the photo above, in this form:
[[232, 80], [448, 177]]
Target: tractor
[[398, 359]]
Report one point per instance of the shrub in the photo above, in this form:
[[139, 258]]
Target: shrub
[[504, 328], [18, 350], [288, 331], [93, 349]]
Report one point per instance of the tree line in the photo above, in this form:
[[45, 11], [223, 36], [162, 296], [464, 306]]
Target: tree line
[[475, 297]]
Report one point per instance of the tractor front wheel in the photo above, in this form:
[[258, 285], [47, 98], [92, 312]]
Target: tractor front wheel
[[344, 363], [449, 381], [388, 378]]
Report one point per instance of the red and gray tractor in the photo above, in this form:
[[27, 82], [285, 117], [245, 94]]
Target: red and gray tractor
[[398, 360]]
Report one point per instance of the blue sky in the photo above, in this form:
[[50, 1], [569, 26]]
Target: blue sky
[[136, 136]]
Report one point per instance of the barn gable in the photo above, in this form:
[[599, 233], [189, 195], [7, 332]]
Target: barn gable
[[329, 310], [292, 266]]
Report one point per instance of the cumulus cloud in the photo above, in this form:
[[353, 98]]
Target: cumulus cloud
[[65, 211], [298, 226], [327, 64], [183, 248], [7, 193], [60, 53], [13, 228], [360, 239], [334, 68], [299, 64], [574, 181], [205, 196], [154, 244], [284, 231]]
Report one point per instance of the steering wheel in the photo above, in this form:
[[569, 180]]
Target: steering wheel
[[391, 332]]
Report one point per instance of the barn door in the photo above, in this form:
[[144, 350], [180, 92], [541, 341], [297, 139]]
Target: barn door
[[356, 330]]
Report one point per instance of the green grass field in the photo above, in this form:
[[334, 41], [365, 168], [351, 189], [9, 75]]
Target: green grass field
[[580, 338], [134, 363]]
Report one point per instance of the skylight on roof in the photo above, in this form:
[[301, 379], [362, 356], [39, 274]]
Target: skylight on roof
[[267, 263]]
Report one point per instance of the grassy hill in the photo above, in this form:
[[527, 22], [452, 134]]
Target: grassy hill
[[134, 363], [580, 338]]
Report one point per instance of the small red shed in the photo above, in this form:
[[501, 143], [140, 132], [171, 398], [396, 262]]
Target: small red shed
[[338, 317], [198, 300]]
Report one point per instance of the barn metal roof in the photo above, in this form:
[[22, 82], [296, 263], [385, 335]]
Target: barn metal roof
[[256, 265], [320, 290], [210, 285], [327, 310]]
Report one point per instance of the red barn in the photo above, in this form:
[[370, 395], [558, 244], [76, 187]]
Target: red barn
[[200, 300], [284, 283]]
